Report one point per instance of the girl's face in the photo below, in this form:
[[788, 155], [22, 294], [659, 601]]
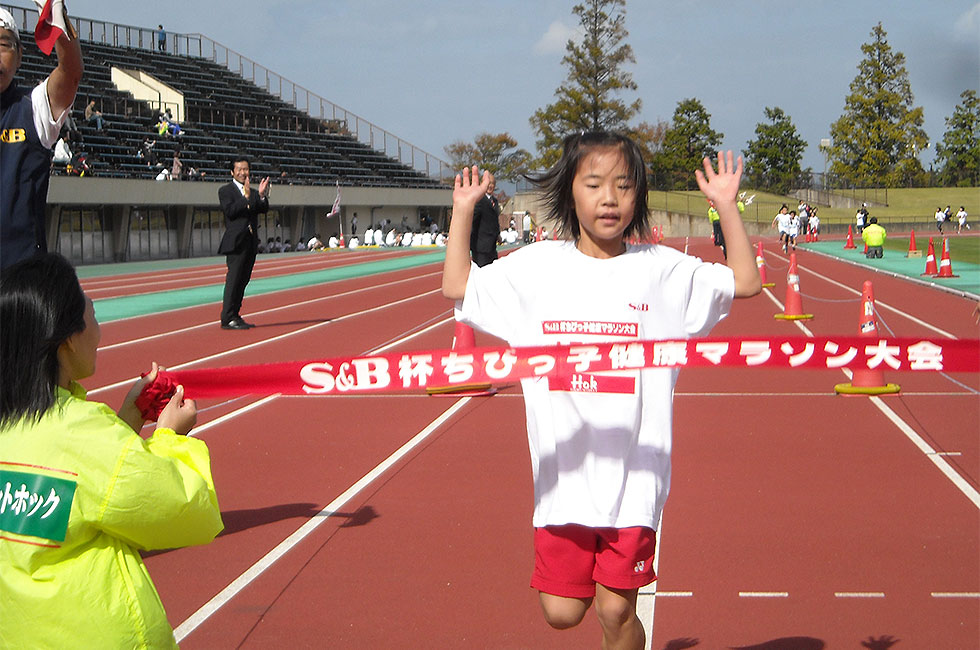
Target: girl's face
[[604, 198], [78, 360]]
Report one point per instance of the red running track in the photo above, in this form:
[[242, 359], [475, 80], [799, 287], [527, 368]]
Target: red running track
[[797, 518]]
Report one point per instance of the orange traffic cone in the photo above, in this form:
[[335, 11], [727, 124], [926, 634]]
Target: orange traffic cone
[[760, 261], [867, 381], [931, 268], [913, 251], [463, 339], [850, 238], [341, 240], [794, 303], [945, 265]]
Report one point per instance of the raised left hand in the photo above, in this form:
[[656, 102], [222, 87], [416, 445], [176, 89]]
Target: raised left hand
[[721, 186]]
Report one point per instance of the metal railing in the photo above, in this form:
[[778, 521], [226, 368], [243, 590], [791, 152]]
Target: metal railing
[[198, 45]]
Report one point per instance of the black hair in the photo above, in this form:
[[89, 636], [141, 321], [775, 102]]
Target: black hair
[[557, 181], [873, 220], [41, 306], [237, 159]]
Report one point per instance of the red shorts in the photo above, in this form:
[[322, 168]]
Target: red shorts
[[569, 560]]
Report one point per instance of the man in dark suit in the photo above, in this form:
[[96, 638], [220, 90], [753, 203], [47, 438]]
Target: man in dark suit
[[242, 206], [486, 228]]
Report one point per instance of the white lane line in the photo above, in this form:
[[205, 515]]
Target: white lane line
[[878, 303], [763, 594], [272, 556], [859, 594], [674, 594], [242, 581], [304, 304], [232, 414], [256, 344], [937, 459], [955, 594]]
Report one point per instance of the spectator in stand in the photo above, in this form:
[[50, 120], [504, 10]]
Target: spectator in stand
[[391, 239], [874, 236], [177, 167], [148, 154], [333, 242], [315, 243], [161, 39], [37, 115], [369, 235], [93, 115], [62, 150]]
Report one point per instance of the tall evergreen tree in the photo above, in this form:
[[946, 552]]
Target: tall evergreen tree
[[587, 99], [958, 155], [688, 139], [772, 159], [877, 138]]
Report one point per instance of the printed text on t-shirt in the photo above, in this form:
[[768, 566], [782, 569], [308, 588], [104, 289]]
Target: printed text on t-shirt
[[597, 328]]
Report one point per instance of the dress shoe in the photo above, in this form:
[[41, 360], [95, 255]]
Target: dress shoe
[[235, 324], [245, 322]]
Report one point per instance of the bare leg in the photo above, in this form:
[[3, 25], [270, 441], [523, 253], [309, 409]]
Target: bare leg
[[562, 612], [616, 609]]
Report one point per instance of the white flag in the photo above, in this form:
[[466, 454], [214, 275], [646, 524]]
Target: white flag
[[335, 210]]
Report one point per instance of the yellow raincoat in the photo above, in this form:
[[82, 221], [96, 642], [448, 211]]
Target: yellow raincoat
[[80, 492]]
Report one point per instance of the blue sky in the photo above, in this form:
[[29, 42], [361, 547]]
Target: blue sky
[[435, 71]]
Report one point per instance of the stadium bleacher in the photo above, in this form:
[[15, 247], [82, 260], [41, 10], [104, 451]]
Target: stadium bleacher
[[225, 114]]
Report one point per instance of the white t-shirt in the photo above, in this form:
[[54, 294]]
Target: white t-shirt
[[333, 242], [369, 237], [961, 216], [794, 225], [600, 444], [47, 126], [782, 222]]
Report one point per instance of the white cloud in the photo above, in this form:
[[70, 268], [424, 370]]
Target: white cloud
[[554, 40], [968, 25]]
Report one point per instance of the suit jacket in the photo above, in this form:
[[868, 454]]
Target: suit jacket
[[241, 217], [486, 226]]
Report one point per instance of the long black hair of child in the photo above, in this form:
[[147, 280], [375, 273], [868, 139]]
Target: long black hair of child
[[41, 306], [557, 181]]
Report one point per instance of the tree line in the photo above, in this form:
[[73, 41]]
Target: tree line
[[875, 142]]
